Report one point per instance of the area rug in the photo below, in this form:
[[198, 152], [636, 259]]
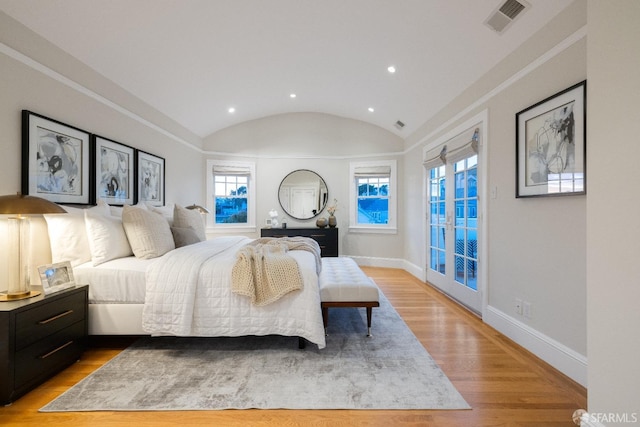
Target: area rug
[[390, 370]]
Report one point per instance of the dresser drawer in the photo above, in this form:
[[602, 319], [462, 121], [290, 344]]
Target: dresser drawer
[[43, 320], [43, 357], [327, 238]]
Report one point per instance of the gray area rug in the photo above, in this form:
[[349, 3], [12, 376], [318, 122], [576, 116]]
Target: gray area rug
[[391, 370]]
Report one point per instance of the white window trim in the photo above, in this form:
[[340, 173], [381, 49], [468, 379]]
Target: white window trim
[[391, 227], [250, 227]]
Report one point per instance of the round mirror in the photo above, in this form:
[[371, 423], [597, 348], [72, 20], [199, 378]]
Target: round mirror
[[303, 194]]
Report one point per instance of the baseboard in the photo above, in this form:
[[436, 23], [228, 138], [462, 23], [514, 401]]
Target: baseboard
[[561, 357], [365, 261]]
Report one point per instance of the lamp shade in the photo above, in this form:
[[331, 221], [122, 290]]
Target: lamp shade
[[17, 204], [198, 208]]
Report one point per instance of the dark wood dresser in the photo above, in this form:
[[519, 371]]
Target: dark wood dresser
[[39, 337], [327, 238]]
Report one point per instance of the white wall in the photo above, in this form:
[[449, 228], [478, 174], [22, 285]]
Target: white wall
[[536, 247], [325, 144], [84, 99], [613, 233]]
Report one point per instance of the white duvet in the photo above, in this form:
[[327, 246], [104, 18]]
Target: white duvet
[[188, 293]]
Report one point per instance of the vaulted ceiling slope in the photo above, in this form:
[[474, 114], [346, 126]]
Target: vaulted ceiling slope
[[194, 60]]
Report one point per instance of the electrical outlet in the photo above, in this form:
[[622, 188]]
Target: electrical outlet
[[518, 306], [526, 309]]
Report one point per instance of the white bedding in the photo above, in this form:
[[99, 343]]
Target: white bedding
[[188, 293], [117, 281]]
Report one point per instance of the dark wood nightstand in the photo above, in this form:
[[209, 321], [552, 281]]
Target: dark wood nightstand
[[39, 337], [327, 238]]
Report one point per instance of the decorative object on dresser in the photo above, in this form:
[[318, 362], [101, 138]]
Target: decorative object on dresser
[[41, 336], [18, 230], [327, 238]]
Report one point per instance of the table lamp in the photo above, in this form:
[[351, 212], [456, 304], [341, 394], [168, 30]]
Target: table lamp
[[20, 208], [198, 208]]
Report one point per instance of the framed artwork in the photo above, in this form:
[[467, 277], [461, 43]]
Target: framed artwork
[[56, 160], [114, 167], [150, 178], [551, 145], [56, 277]]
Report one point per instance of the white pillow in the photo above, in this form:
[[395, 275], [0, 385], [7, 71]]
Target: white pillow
[[68, 237], [148, 232], [107, 239], [186, 218], [165, 211], [117, 210]]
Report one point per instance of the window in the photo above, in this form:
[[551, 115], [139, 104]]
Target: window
[[373, 193], [231, 194]]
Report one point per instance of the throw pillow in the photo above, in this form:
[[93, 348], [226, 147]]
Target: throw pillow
[[186, 218], [148, 232], [184, 236]]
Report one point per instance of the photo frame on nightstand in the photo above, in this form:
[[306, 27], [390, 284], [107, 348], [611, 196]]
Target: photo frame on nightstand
[[56, 277]]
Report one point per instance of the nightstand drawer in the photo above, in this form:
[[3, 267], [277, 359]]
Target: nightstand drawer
[[55, 351], [46, 319]]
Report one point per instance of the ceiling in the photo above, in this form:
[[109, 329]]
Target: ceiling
[[194, 59]]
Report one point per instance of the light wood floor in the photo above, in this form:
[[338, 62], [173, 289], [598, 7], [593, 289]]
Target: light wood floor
[[504, 384]]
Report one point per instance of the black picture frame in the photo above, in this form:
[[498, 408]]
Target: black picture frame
[[114, 171], [150, 178], [56, 161], [551, 136]]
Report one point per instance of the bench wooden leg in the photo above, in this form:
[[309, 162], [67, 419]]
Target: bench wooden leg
[[369, 313], [325, 319]]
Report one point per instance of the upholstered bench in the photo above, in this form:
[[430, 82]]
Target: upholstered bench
[[344, 284]]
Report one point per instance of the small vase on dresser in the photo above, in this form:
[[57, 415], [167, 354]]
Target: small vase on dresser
[[332, 221]]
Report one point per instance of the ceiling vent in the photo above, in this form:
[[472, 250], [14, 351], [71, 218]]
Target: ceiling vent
[[503, 16], [399, 125]]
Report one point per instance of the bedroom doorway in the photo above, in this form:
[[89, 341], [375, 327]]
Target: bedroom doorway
[[453, 226]]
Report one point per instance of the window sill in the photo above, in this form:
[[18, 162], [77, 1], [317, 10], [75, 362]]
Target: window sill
[[231, 229], [372, 230]]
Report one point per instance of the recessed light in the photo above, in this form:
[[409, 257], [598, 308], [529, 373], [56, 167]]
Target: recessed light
[[292, 95], [232, 109], [391, 69], [371, 110]]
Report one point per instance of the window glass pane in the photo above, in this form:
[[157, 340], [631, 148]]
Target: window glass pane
[[441, 237], [460, 246], [441, 261], [460, 184], [373, 210], [472, 161], [433, 232], [472, 182], [459, 213], [231, 210]]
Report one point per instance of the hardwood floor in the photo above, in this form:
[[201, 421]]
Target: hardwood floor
[[504, 384]]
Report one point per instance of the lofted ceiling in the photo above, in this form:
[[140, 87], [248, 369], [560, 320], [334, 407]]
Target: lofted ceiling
[[193, 60]]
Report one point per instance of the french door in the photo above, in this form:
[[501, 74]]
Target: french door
[[452, 253]]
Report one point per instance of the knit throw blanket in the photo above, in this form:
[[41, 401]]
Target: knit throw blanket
[[265, 272]]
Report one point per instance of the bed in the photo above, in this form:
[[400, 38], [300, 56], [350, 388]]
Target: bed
[[181, 291]]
